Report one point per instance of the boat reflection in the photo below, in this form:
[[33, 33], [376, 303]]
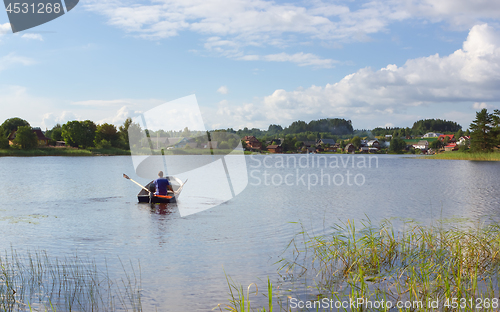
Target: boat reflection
[[162, 208]]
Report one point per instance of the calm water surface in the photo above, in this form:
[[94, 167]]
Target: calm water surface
[[68, 205]]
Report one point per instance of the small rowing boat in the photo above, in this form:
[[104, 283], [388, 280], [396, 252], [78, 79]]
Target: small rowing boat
[[149, 197]]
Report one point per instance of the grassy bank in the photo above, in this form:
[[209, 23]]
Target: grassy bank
[[37, 282], [63, 151], [456, 267], [494, 156]]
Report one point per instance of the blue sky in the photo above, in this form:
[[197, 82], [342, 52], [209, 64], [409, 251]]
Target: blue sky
[[252, 63]]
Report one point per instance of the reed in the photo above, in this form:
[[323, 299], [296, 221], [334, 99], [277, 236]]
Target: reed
[[37, 282], [419, 265], [493, 156]]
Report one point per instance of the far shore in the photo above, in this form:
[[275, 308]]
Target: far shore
[[68, 151], [63, 151]]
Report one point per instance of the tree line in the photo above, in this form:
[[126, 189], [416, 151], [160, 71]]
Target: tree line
[[82, 134], [484, 132]]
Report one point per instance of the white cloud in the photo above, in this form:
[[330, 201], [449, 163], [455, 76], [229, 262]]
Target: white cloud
[[5, 28], [458, 13], [223, 90], [301, 59], [479, 106], [470, 74], [32, 36], [123, 113], [13, 59], [49, 120], [231, 27]]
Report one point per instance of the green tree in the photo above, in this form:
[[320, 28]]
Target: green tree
[[298, 145], [356, 141], [12, 124], [186, 133], [123, 134], [55, 133], [4, 142], [274, 129], [481, 140], [79, 133], [436, 145], [107, 132], [25, 138], [495, 131], [397, 145]]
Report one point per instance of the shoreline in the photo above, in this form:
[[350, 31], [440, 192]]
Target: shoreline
[[67, 151], [493, 156]]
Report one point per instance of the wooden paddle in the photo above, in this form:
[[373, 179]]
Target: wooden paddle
[[128, 178]]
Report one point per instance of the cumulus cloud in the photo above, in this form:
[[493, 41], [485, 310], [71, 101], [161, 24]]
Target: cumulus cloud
[[123, 113], [32, 36], [5, 28], [49, 120], [223, 90], [459, 14], [479, 106], [232, 26], [470, 74]]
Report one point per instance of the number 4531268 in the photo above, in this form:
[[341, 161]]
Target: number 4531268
[[40, 8]]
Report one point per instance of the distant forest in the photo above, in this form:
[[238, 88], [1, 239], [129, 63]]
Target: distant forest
[[335, 128]]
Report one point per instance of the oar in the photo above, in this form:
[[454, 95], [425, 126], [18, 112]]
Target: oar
[[128, 178]]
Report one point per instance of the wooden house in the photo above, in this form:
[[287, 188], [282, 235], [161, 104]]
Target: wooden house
[[350, 149], [252, 142], [275, 148], [42, 139]]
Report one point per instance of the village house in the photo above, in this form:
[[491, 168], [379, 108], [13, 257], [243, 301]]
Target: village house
[[422, 145], [211, 144], [451, 137], [333, 148], [326, 142], [309, 144], [373, 143], [275, 148], [463, 140], [252, 142], [42, 139], [451, 147], [349, 148]]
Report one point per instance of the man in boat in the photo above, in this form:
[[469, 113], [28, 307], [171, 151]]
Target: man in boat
[[162, 185]]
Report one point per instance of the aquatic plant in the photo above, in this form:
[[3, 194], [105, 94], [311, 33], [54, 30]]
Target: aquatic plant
[[444, 266], [455, 264], [493, 156], [37, 282]]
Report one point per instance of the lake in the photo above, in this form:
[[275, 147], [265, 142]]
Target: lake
[[83, 205]]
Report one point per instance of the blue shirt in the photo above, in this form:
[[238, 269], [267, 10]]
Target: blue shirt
[[161, 186]]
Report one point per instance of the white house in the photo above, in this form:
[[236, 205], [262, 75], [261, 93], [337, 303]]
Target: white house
[[463, 140], [431, 135], [422, 145], [373, 143]]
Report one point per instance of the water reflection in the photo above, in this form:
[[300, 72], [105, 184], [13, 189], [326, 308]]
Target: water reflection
[[162, 208]]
